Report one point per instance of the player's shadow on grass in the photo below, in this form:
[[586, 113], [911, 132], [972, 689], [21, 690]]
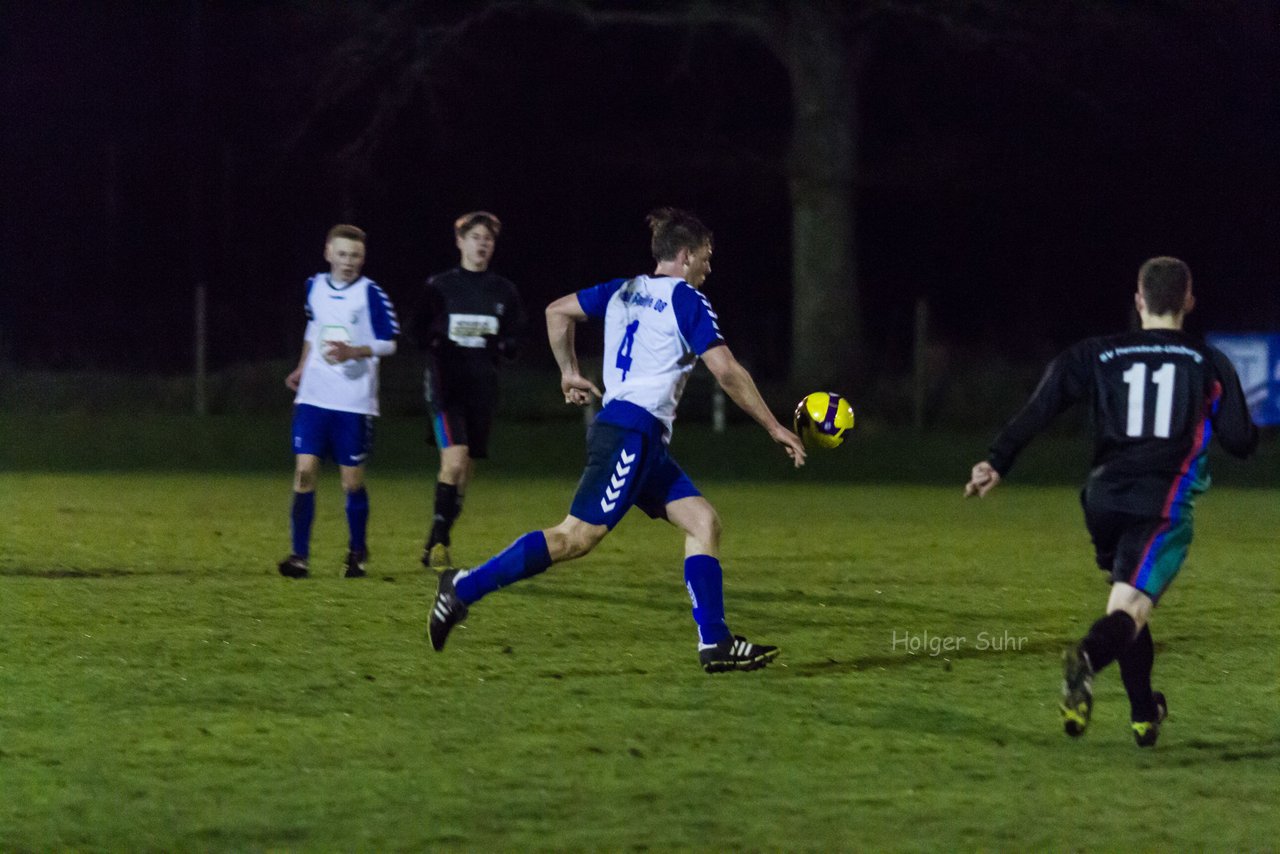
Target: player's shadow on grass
[[64, 572], [655, 597], [1200, 751]]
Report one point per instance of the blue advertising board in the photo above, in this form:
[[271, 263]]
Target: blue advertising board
[[1256, 356]]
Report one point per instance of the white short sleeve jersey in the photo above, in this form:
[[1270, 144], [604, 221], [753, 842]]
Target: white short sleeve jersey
[[359, 314], [655, 328]]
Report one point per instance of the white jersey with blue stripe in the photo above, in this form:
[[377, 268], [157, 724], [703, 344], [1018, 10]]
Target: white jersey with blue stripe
[[358, 313], [655, 328]]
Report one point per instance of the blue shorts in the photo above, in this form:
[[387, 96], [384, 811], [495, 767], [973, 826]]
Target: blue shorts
[[346, 437], [624, 468]]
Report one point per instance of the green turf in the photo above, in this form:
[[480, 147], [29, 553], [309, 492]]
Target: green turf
[[161, 688]]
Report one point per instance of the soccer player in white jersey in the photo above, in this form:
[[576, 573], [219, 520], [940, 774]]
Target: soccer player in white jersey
[[656, 328], [351, 324]]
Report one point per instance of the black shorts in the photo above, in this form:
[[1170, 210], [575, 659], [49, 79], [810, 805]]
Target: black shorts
[[461, 408], [1145, 552]]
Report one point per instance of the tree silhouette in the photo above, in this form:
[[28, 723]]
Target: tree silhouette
[[1098, 59]]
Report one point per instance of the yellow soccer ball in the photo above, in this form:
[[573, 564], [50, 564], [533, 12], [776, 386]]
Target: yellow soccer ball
[[822, 419]]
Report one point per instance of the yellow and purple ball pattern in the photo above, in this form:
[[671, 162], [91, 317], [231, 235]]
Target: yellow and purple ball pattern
[[823, 418]]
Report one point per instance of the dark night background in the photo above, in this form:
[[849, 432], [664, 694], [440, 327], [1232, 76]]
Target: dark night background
[[1017, 162]]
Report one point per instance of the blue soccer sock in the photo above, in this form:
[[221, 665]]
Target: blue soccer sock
[[357, 518], [705, 580], [304, 510], [524, 558]]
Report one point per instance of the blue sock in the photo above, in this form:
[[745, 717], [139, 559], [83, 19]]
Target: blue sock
[[703, 577], [357, 518], [304, 510], [524, 558]]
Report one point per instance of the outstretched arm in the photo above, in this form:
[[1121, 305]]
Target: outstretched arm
[[563, 316], [741, 388], [1064, 382]]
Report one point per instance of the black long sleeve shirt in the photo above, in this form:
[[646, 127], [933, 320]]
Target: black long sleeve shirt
[[465, 320], [1157, 397]]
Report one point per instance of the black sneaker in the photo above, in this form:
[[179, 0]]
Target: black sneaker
[[1145, 733], [1077, 692], [355, 565], [293, 567], [736, 653], [446, 611]]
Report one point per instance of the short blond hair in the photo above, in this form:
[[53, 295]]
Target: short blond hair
[[349, 232]]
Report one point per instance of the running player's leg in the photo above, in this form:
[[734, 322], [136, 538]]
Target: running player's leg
[[1147, 707], [1127, 611], [718, 648], [1150, 558], [615, 468], [606, 491], [529, 555], [1105, 638], [703, 575], [1145, 555]]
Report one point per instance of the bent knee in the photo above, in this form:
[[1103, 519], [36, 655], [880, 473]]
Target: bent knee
[[452, 472], [705, 528], [573, 538], [1131, 601]]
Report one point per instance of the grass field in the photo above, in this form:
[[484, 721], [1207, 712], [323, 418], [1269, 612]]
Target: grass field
[[162, 688]]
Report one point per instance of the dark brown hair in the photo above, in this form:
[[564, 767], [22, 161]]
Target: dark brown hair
[[468, 221], [673, 230], [1164, 283]]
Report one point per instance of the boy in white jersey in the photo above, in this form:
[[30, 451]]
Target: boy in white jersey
[[656, 328], [351, 324]]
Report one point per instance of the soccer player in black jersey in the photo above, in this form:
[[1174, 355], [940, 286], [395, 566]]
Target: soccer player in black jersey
[[467, 319], [1157, 396]]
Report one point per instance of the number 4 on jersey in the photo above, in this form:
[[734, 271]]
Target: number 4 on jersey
[[624, 349], [1136, 379]]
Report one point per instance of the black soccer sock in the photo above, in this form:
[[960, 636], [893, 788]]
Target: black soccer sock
[[448, 508], [1135, 669], [1107, 639]]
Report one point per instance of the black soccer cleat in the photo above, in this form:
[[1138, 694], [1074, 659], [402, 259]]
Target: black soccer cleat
[[1145, 733], [1077, 692], [437, 557], [736, 653], [355, 564], [293, 567], [446, 611]]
